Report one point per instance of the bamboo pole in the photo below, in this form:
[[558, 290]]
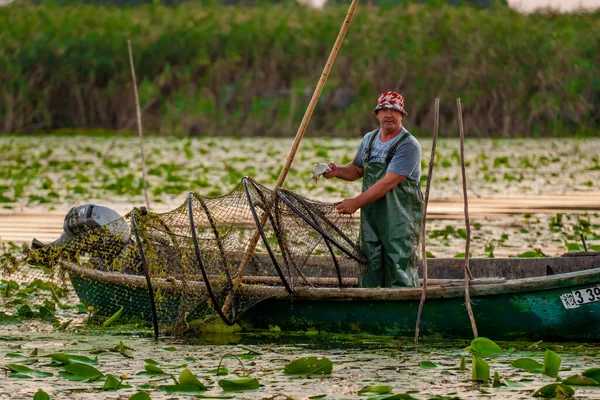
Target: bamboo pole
[[467, 222], [299, 134], [436, 126], [139, 122]]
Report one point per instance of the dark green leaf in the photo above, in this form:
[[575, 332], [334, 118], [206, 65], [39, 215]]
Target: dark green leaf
[[140, 396], [125, 351], [551, 364], [511, 383], [427, 365], [83, 371], [22, 369], [41, 395], [222, 371], [113, 317], [528, 364], [250, 350], [592, 373], [153, 370], [111, 382], [580, 380], [381, 389], [485, 347], [187, 378], [64, 358], [480, 370], [243, 383], [399, 396], [463, 364], [554, 390], [180, 388], [18, 375], [497, 382], [309, 366]]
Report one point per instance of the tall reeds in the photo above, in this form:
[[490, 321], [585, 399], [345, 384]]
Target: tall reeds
[[219, 70]]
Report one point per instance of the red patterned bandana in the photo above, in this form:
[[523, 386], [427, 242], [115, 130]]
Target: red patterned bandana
[[390, 100]]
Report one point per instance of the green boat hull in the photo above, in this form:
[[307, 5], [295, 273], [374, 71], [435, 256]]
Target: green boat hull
[[538, 315], [529, 309]]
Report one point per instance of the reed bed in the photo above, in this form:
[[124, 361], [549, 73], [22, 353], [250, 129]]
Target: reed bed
[[218, 70]]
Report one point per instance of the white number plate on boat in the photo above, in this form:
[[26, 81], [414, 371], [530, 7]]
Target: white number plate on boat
[[581, 296]]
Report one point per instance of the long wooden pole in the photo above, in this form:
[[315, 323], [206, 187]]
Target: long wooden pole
[[139, 123], [299, 134], [436, 126], [467, 222]]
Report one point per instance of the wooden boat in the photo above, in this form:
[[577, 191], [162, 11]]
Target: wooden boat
[[555, 298]]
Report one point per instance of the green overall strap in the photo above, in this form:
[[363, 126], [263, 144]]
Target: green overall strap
[[369, 146], [391, 152], [393, 149]]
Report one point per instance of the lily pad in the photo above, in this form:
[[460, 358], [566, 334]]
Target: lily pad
[[592, 373], [399, 396], [249, 349], [551, 364], [24, 370], [309, 366], [114, 383], [188, 378], [221, 371], [480, 370], [485, 347], [381, 389], [64, 358], [555, 390], [80, 372], [427, 365], [180, 388], [151, 370], [41, 395], [140, 396], [528, 364], [243, 383], [580, 380]]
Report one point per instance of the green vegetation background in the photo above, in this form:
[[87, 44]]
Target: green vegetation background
[[212, 69]]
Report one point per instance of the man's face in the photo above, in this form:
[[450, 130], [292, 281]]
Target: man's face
[[389, 119]]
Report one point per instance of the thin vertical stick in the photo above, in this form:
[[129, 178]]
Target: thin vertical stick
[[300, 133], [583, 241], [436, 126], [467, 222], [139, 122]]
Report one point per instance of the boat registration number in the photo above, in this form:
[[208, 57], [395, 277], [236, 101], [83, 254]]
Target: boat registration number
[[581, 296]]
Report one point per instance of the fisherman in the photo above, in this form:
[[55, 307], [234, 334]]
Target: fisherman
[[391, 202]]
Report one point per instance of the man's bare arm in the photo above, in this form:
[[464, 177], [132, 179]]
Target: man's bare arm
[[348, 172], [374, 193]]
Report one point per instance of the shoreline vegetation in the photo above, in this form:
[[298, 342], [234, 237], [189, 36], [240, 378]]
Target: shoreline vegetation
[[217, 70]]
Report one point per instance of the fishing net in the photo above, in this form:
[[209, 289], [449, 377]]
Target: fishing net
[[192, 266]]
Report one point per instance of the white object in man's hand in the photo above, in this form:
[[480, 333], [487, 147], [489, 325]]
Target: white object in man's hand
[[320, 169]]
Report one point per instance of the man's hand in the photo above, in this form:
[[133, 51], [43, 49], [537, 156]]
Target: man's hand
[[348, 206], [333, 172]]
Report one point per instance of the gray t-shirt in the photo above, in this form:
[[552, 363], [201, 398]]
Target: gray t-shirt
[[406, 160]]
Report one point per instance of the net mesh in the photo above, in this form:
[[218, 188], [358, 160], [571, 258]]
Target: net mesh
[[193, 266]]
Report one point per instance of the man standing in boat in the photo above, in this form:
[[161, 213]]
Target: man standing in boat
[[391, 202]]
